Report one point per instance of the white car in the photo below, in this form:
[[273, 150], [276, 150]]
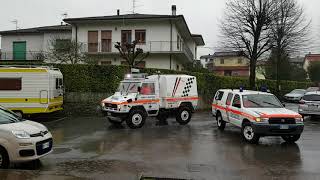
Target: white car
[[258, 114], [295, 95], [310, 104], [22, 140]]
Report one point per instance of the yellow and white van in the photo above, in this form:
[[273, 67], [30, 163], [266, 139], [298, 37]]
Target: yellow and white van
[[31, 90]]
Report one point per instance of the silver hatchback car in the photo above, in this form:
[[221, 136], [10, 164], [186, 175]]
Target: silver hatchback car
[[310, 104]]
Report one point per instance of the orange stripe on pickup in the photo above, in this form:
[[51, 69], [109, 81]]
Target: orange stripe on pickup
[[234, 111], [182, 99]]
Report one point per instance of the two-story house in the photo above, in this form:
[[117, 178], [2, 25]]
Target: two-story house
[[31, 43], [232, 63], [166, 37]]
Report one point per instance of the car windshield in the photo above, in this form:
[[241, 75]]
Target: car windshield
[[7, 117], [311, 97], [261, 101], [128, 87], [298, 91]]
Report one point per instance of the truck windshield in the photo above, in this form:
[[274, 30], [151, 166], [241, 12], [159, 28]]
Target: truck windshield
[[261, 101], [128, 87], [7, 117]]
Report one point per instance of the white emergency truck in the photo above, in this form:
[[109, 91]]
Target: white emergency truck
[[258, 114], [160, 96], [31, 89]]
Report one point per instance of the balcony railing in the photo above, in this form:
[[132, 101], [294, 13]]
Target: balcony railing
[[150, 46], [23, 55]]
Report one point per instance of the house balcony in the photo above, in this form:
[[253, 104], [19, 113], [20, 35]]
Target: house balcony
[[153, 47], [22, 56]]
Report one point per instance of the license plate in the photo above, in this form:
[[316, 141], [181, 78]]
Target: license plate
[[46, 145], [284, 127]]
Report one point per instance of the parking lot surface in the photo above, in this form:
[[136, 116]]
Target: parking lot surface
[[90, 148]]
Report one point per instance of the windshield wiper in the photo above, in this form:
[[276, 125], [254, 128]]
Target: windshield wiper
[[271, 104]]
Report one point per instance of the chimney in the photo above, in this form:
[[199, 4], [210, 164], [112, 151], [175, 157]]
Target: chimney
[[174, 10], [118, 12]]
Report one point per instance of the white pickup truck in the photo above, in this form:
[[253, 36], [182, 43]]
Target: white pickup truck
[[160, 96], [257, 114]]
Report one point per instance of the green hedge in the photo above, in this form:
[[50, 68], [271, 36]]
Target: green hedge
[[105, 79], [95, 78]]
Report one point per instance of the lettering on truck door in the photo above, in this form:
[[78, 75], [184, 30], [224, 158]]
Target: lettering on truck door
[[234, 111]]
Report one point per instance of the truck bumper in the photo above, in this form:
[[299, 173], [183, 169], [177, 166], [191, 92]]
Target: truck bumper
[[277, 129], [118, 117]]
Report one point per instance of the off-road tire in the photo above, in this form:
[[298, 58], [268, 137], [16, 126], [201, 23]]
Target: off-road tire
[[248, 133], [291, 138], [4, 159], [136, 119], [183, 116], [220, 122]]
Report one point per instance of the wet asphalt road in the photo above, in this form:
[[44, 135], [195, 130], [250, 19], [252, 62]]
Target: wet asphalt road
[[89, 148]]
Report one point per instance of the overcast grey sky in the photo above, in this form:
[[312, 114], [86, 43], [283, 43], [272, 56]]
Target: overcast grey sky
[[202, 15]]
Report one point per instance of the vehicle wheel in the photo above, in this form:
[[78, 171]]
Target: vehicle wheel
[[248, 133], [184, 115], [220, 122], [4, 159], [114, 122], [291, 138], [136, 119]]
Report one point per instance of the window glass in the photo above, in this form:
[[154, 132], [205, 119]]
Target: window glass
[[236, 101], [147, 89], [59, 83], [311, 97], [7, 116], [221, 61], [141, 36], [261, 101], [126, 37], [10, 84], [219, 95], [128, 87], [178, 42], [229, 98]]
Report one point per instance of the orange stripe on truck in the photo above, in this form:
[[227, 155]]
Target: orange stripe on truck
[[144, 101], [182, 99]]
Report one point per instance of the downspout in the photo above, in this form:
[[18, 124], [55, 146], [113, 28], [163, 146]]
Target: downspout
[[76, 39], [171, 44]]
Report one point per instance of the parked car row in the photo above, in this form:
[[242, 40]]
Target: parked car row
[[297, 94]]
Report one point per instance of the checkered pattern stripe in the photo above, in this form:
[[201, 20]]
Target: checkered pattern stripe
[[190, 82]]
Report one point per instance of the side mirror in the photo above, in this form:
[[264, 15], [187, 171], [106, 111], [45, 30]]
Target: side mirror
[[283, 104], [139, 89]]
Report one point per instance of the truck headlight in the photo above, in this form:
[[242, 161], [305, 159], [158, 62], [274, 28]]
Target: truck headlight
[[259, 119], [299, 119], [21, 134]]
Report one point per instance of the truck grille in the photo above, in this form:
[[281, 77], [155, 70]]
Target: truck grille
[[282, 121], [111, 106]]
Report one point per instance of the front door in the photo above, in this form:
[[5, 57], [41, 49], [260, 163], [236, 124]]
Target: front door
[[149, 98], [234, 111], [19, 50]]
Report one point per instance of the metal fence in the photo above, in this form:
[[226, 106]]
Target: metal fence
[[149, 46], [22, 55]]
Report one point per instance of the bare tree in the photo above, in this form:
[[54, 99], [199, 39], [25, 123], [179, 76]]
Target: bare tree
[[133, 56], [65, 51], [246, 27], [289, 31]]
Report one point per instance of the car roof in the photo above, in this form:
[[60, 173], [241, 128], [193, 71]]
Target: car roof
[[244, 92]]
